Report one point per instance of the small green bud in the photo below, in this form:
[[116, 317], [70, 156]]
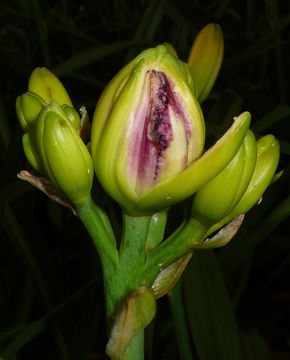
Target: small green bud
[[54, 148], [205, 59], [268, 153], [28, 106], [218, 197], [48, 86], [72, 115]]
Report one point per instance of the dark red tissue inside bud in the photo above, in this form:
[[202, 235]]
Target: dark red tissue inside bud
[[157, 131], [160, 121]]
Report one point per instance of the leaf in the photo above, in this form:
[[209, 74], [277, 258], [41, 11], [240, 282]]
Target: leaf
[[90, 56], [27, 333], [255, 347], [279, 113], [210, 314], [180, 323]]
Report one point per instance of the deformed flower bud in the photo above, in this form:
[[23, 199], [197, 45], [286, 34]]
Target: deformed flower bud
[[148, 135]]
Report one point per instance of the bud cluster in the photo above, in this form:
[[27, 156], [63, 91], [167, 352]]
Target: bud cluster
[[148, 135], [51, 141]]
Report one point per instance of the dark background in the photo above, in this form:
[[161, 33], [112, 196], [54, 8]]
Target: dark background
[[51, 296]]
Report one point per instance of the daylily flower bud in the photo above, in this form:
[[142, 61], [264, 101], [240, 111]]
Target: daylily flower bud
[[47, 85], [171, 49], [28, 106], [54, 148], [205, 59], [72, 115], [148, 132], [268, 153], [220, 195]]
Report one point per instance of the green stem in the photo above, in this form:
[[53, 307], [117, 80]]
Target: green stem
[[132, 255], [134, 239], [176, 246], [138, 233], [156, 229], [98, 226], [135, 350]]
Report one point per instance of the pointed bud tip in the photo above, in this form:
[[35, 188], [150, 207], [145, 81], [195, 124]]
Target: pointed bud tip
[[44, 83], [205, 59]]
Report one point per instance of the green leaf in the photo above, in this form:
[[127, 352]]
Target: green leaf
[[27, 333], [279, 113], [285, 147], [180, 323], [245, 243], [255, 347], [210, 314], [90, 56]]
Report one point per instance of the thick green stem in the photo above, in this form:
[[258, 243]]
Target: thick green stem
[[139, 233], [133, 244], [135, 351]]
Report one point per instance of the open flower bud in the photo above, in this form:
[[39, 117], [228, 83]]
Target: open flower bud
[[28, 106], [54, 148], [218, 197], [205, 59], [48, 86], [148, 135]]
